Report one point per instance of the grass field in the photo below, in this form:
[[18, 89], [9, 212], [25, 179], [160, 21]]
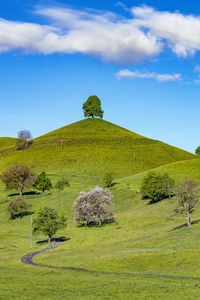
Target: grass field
[[150, 254]]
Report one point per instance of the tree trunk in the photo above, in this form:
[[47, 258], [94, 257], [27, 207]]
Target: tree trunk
[[188, 219], [21, 191], [49, 238]]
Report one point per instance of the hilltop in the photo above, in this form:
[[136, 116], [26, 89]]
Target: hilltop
[[92, 147]]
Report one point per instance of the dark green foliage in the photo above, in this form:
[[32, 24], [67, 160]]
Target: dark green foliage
[[94, 208], [17, 207], [18, 178], [197, 151], [48, 222], [61, 184], [156, 186], [92, 107], [108, 180], [43, 183], [188, 193], [23, 140]]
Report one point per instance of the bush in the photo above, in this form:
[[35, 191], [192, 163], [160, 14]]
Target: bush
[[17, 207], [108, 180], [94, 208], [156, 186], [61, 184]]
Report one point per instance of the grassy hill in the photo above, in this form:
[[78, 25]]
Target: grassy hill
[[147, 254], [178, 170], [92, 147], [6, 142]]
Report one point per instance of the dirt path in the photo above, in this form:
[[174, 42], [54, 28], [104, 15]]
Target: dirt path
[[28, 259]]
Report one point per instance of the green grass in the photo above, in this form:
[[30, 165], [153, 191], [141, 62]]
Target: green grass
[[93, 147], [178, 171], [6, 142], [148, 251]]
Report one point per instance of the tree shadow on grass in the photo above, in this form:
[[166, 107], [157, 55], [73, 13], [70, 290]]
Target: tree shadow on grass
[[55, 239], [185, 225], [22, 214], [30, 193]]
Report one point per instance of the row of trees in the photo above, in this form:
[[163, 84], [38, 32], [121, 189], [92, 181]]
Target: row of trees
[[20, 177], [157, 187]]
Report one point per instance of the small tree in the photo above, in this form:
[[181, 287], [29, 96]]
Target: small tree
[[61, 184], [43, 183], [156, 186], [24, 139], [197, 151], [17, 207], [108, 180], [48, 222], [92, 107], [94, 208], [18, 178], [187, 194]]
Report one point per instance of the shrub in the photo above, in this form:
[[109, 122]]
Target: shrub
[[61, 184], [94, 208], [156, 186], [108, 180], [17, 207]]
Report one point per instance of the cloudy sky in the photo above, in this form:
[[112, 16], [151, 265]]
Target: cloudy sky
[[141, 58]]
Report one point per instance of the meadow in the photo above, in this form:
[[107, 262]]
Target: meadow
[[147, 254]]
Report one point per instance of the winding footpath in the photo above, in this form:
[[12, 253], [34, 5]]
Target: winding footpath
[[28, 259]]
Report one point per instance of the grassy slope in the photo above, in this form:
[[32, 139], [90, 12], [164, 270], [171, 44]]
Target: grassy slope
[[177, 170], [162, 258], [6, 142], [92, 148]]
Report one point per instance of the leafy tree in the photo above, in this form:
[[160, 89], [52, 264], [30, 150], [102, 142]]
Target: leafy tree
[[187, 194], [92, 107], [156, 186], [61, 184], [24, 139], [94, 208], [197, 151], [17, 207], [108, 180], [43, 182], [18, 178], [48, 222]]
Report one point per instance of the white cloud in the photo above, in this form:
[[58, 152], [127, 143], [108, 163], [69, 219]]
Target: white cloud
[[148, 75], [144, 35], [197, 69], [181, 32]]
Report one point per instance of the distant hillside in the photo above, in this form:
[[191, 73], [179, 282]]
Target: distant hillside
[[178, 170], [6, 142], [92, 147]]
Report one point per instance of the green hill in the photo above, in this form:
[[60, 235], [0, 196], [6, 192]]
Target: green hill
[[92, 147], [6, 142], [178, 170]]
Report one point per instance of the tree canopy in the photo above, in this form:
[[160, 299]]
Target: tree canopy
[[197, 151], [92, 107], [48, 222], [43, 183], [18, 178]]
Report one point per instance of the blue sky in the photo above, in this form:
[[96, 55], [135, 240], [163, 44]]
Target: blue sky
[[142, 58]]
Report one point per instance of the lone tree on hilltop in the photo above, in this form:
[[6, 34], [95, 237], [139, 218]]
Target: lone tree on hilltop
[[92, 107], [156, 186], [24, 139], [49, 222], [43, 183], [187, 194], [197, 151], [94, 208], [18, 178]]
